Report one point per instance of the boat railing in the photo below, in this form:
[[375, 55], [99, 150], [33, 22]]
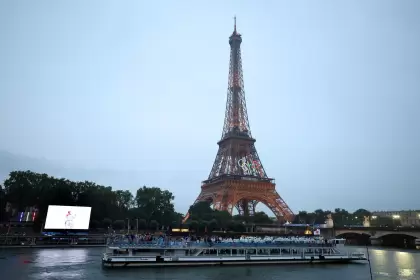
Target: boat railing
[[193, 244]]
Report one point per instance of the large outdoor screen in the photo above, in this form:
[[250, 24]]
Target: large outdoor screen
[[67, 217]]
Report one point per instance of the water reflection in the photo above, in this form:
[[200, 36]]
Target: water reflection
[[60, 257], [405, 263], [404, 259], [380, 256], [76, 274], [60, 264], [84, 264]]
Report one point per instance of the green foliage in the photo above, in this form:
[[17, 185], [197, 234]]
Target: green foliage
[[154, 225], [150, 207], [257, 218], [94, 224], [223, 218], [106, 222], [193, 225], [385, 221], [118, 224], [26, 189], [155, 204], [142, 224], [201, 211], [212, 225], [2, 204], [202, 217], [341, 217], [236, 226]]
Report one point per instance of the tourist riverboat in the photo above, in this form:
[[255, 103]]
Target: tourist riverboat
[[226, 253]]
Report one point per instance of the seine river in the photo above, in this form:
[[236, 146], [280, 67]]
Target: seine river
[[84, 263]]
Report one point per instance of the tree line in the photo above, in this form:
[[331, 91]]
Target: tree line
[[342, 218], [26, 191], [148, 208]]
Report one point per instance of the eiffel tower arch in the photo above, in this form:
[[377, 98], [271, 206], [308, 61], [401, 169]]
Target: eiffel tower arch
[[238, 178]]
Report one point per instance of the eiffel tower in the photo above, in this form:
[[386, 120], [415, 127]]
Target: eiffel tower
[[237, 178]]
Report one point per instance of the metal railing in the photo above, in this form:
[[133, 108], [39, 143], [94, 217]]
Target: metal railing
[[50, 241], [180, 244]]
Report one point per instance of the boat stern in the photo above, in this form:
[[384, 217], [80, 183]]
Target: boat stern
[[358, 256]]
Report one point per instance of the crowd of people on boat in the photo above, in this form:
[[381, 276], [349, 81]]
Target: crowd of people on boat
[[214, 240]]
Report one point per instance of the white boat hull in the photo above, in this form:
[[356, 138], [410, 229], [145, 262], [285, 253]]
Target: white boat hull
[[213, 261]]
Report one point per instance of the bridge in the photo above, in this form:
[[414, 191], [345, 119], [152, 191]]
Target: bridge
[[377, 232], [401, 237], [346, 231]]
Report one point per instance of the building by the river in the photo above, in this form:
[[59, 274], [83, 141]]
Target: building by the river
[[406, 217]]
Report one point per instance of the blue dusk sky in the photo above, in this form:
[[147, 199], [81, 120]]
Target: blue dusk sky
[[132, 93]]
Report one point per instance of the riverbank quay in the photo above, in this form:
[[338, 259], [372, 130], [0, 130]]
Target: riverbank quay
[[57, 241], [57, 246]]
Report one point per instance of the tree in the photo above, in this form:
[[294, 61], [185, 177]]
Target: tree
[[156, 204], [201, 211], [94, 224], [124, 200], [118, 224], [153, 225], [203, 226], [177, 219], [362, 213], [358, 216], [142, 224], [222, 217], [341, 217], [301, 218], [212, 225], [194, 225], [320, 216], [261, 218], [236, 226], [106, 223], [151, 206], [26, 190], [2, 204]]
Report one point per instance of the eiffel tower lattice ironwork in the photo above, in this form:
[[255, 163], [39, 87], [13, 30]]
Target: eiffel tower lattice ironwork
[[237, 178]]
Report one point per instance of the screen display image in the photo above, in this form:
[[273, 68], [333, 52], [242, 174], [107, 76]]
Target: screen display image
[[67, 217]]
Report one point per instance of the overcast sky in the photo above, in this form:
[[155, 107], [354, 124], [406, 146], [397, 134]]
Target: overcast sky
[[139, 87]]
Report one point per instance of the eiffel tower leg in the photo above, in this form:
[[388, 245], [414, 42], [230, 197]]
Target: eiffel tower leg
[[242, 207], [246, 207], [277, 205], [251, 207], [246, 203]]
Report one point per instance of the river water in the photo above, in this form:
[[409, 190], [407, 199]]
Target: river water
[[85, 263]]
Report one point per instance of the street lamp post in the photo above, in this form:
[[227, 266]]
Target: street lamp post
[[137, 226], [128, 225]]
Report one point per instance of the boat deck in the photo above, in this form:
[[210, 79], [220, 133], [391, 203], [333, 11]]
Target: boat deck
[[159, 253], [205, 245]]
